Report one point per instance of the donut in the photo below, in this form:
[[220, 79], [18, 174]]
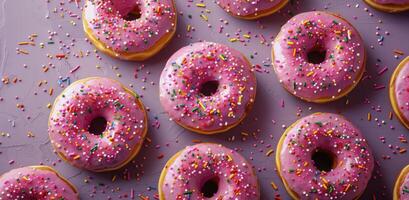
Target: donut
[[399, 92], [207, 87], [208, 171], [36, 182], [318, 56], [391, 6], [251, 9], [324, 156], [401, 189], [129, 29], [97, 124]]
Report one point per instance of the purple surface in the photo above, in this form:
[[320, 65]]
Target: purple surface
[[265, 124]]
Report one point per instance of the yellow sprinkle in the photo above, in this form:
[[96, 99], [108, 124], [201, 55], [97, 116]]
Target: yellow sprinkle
[[229, 158], [274, 185], [269, 152], [247, 36], [240, 98], [310, 73], [290, 42], [369, 116], [201, 105], [113, 178], [244, 133], [233, 39], [188, 28], [390, 115], [49, 105], [26, 43], [231, 176], [204, 17], [201, 5], [349, 32], [324, 180], [50, 91]]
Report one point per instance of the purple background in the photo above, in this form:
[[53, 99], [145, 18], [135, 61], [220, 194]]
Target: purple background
[[265, 124]]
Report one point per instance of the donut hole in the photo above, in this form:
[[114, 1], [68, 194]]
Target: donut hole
[[209, 88], [134, 14], [324, 160], [317, 55], [210, 187], [98, 125]]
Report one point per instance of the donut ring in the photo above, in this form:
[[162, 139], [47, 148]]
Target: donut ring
[[344, 146], [399, 86], [251, 10], [402, 184], [130, 39], [86, 101], [201, 66], [36, 182], [389, 7], [204, 163], [318, 57]]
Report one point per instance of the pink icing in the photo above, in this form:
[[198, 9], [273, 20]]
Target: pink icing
[[30, 183], [332, 133], [402, 91], [397, 2], [247, 8], [344, 58], [84, 101], [198, 163], [404, 189], [106, 19], [191, 67]]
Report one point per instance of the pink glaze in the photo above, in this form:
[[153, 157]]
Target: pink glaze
[[84, 101], [344, 59], [332, 133], [396, 2], [402, 91], [29, 183], [404, 189], [106, 19], [191, 67], [248, 8], [202, 162]]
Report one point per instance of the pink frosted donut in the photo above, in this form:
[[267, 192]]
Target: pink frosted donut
[[401, 189], [389, 5], [399, 91], [324, 156], [97, 124], [207, 87], [208, 171], [36, 183], [130, 29], [251, 9], [318, 56]]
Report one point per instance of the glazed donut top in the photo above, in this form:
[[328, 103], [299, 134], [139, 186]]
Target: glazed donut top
[[86, 100], [310, 31], [35, 183], [198, 163], [106, 19], [397, 2], [402, 90], [192, 67], [354, 161], [246, 8]]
